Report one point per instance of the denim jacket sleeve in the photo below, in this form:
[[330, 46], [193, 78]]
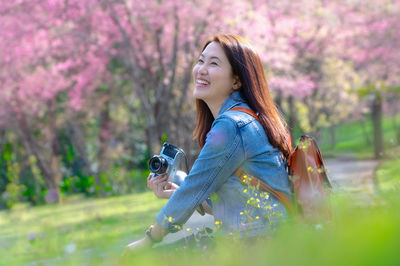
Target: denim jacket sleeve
[[221, 155]]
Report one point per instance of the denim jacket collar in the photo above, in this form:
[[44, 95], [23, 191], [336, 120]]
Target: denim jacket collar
[[233, 100]]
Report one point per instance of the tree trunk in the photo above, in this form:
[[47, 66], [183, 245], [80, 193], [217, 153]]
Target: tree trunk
[[104, 139], [376, 112], [152, 140], [292, 116], [46, 167], [75, 135], [278, 102]]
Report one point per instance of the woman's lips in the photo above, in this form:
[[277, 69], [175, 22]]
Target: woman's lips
[[202, 82]]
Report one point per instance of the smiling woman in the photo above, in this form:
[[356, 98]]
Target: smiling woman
[[229, 75], [214, 80]]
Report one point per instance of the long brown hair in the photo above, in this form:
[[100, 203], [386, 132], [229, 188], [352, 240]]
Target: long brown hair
[[246, 65]]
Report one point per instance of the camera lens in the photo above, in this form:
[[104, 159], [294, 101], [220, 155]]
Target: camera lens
[[158, 165]]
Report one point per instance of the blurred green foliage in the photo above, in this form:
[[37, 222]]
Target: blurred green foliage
[[355, 139]]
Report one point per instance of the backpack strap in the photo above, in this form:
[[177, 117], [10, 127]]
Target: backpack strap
[[245, 110], [256, 182]]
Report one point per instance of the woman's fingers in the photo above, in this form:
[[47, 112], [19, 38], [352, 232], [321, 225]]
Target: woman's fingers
[[160, 179], [173, 186], [156, 180], [161, 187], [149, 181]]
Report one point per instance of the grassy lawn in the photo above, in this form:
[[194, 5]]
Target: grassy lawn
[[351, 139], [94, 232], [388, 175], [83, 230]]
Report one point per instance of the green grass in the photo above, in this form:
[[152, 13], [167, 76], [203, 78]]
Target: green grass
[[351, 139], [96, 228], [388, 175]]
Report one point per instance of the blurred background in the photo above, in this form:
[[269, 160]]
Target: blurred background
[[89, 90]]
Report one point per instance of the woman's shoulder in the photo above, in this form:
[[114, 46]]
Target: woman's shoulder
[[239, 118]]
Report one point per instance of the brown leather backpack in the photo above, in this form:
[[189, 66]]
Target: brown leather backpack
[[309, 180], [310, 184]]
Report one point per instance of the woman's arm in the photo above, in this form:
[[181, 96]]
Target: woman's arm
[[221, 155], [164, 189]]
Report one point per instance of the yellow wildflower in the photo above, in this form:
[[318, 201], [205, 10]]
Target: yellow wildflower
[[245, 190], [217, 222], [170, 219], [257, 217], [257, 200], [241, 213], [310, 169]]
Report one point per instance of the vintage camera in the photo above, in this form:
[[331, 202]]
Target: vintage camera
[[167, 162]]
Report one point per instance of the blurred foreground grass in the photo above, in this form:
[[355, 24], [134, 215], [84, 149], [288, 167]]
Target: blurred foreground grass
[[368, 235], [94, 232], [388, 175]]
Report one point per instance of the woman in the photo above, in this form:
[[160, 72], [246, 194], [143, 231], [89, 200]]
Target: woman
[[229, 74]]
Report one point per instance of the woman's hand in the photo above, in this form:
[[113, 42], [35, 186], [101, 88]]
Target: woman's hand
[[161, 187], [156, 232]]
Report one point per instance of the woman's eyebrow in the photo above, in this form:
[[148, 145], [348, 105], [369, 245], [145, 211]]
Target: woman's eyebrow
[[212, 57]]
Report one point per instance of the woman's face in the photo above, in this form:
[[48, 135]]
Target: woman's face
[[213, 77]]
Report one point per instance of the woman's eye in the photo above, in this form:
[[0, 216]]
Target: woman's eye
[[200, 61], [214, 63]]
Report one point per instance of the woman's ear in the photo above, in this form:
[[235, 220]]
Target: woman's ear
[[236, 83]]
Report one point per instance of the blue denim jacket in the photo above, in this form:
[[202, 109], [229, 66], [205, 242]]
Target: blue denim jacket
[[235, 140]]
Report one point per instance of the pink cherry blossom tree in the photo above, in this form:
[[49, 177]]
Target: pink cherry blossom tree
[[373, 47], [57, 54]]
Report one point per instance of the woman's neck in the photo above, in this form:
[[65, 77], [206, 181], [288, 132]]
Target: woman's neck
[[214, 108]]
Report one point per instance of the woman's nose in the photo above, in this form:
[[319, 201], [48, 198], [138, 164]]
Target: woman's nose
[[202, 69]]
